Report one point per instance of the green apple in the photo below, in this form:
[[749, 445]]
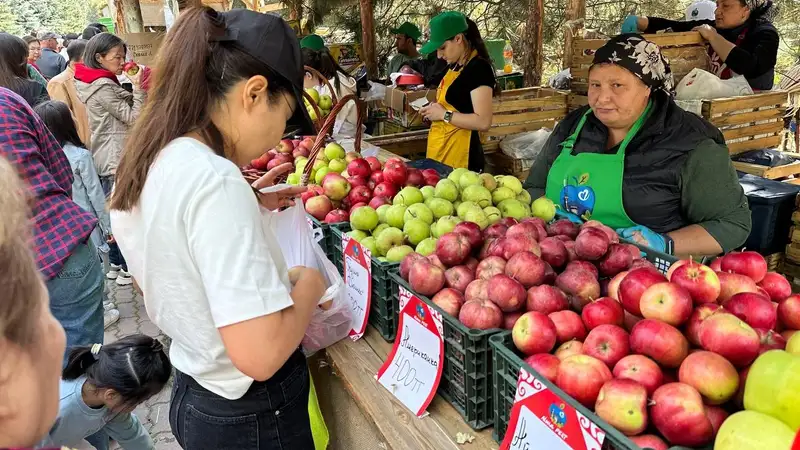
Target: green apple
[[396, 254], [477, 216], [358, 235], [418, 211], [394, 216], [513, 208], [377, 231], [320, 174], [427, 246], [455, 205], [489, 182], [455, 175], [325, 102], [334, 151], [319, 164], [428, 192], [440, 208], [300, 161], [444, 226], [408, 196], [364, 218], [510, 182], [370, 244], [314, 94], [466, 206], [544, 208], [390, 237], [382, 212], [477, 194], [502, 193], [469, 179], [337, 165], [416, 230], [446, 189], [524, 197], [493, 214], [293, 178]]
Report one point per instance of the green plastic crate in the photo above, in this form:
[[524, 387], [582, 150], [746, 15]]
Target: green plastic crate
[[383, 307], [327, 242], [507, 362], [467, 375]]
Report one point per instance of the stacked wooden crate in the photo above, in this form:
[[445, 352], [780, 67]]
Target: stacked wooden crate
[[791, 264]]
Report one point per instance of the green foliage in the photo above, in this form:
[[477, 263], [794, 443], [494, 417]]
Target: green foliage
[[62, 16], [8, 20]]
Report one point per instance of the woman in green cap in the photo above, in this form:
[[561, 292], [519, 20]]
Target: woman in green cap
[[463, 105]]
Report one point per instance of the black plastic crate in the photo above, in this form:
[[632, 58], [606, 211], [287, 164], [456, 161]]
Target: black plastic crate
[[662, 261], [467, 374], [442, 169], [771, 206]]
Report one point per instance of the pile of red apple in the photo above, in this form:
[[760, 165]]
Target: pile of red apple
[[286, 152], [648, 352]]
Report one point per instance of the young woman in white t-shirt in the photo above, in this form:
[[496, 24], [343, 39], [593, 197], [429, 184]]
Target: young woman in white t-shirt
[[193, 230]]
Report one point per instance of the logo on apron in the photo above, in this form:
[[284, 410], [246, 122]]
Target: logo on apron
[[578, 198]]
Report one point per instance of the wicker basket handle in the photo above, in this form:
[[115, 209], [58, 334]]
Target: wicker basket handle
[[319, 75]]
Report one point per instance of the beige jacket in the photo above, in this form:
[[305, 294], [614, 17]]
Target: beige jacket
[[62, 88], [112, 111]]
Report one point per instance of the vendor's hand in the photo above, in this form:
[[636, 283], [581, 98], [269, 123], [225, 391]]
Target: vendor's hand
[[433, 112], [285, 197], [630, 25], [645, 236], [706, 31], [561, 214]]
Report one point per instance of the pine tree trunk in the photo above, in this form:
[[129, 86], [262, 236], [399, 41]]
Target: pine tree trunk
[[576, 14], [129, 16], [534, 55], [368, 38]]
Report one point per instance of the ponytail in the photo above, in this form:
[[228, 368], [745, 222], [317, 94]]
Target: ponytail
[[323, 62], [475, 41], [78, 362]]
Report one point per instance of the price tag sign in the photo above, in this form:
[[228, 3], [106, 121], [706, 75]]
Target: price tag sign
[[414, 367], [358, 282], [541, 419], [316, 232]]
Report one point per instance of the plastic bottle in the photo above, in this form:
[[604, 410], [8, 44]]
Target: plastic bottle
[[508, 57]]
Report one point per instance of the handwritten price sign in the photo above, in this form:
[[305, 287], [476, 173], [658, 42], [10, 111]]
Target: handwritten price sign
[[414, 367], [358, 282], [541, 419]]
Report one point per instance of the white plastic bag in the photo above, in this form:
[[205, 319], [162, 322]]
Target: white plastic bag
[[299, 248], [701, 85], [376, 91], [525, 145]]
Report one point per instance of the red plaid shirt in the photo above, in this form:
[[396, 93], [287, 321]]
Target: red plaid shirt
[[60, 224]]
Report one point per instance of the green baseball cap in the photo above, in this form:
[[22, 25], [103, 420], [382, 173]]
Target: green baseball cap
[[312, 42], [444, 27], [408, 29]]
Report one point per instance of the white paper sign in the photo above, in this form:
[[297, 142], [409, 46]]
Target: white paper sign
[[358, 283], [532, 433]]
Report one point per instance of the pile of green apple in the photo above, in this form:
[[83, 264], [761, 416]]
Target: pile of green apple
[[324, 102]]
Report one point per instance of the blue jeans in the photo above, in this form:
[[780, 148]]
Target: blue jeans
[[272, 415], [114, 255]]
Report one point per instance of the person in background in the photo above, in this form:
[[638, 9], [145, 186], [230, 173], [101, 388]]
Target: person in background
[[86, 189], [213, 274], [99, 26], [50, 63], [102, 385], [62, 88], [742, 39], [464, 99], [14, 70], [111, 110], [32, 342], [68, 38], [406, 37], [90, 32], [66, 256]]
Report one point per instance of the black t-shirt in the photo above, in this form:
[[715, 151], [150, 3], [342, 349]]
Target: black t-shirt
[[478, 72]]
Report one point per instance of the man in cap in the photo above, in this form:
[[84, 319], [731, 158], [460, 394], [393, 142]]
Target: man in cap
[[50, 63], [406, 37]]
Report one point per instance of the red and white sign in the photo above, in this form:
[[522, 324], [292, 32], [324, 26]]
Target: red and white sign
[[414, 366], [541, 419], [358, 282]]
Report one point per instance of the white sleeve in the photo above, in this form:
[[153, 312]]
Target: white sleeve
[[229, 247]]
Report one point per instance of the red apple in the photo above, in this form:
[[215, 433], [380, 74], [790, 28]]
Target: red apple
[[523, 229], [436, 261], [613, 285], [729, 336], [395, 172], [385, 189], [319, 206], [285, 146], [617, 259], [550, 275], [702, 283], [568, 349], [546, 299], [519, 243], [660, 341], [506, 293], [776, 285], [300, 151], [563, 227], [666, 302], [376, 178], [545, 365], [570, 246], [453, 248], [278, 160], [489, 267], [534, 333], [568, 326], [788, 334], [603, 311], [677, 412], [408, 261], [472, 264], [581, 286], [732, 284], [716, 415], [623, 404], [713, 376], [374, 163], [351, 156], [748, 263], [526, 268], [308, 194], [336, 186], [472, 231], [581, 377], [554, 252], [359, 181], [649, 441], [756, 310], [508, 221], [481, 315], [337, 216], [676, 265], [477, 290], [591, 244], [415, 177], [458, 278], [643, 264], [450, 300], [716, 264], [608, 343], [495, 231], [640, 369], [770, 340], [612, 235], [425, 278], [700, 314], [738, 399], [377, 202], [509, 319], [431, 177], [583, 265], [633, 286], [789, 312], [492, 247], [359, 167], [360, 194]]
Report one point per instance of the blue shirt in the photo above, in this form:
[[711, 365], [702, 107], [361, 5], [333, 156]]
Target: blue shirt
[[77, 420], [88, 193]]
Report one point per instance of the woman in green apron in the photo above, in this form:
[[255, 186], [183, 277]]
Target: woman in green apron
[[463, 104], [637, 162]]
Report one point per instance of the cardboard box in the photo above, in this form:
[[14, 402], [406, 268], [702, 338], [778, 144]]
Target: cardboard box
[[398, 106], [143, 47]]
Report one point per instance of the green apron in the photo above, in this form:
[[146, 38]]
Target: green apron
[[589, 185]]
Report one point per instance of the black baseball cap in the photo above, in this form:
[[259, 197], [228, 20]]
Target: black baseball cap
[[269, 39]]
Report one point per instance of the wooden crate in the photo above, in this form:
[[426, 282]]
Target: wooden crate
[[685, 51], [775, 261], [748, 122], [499, 163]]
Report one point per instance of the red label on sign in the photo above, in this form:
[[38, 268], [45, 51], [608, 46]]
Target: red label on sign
[[358, 283]]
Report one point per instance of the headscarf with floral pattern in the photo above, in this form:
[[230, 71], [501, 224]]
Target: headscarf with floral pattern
[[762, 10], [641, 57]]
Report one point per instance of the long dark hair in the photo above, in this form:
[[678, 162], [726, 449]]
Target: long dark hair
[[136, 367], [58, 118], [323, 62], [13, 61], [101, 44], [179, 99], [475, 42]]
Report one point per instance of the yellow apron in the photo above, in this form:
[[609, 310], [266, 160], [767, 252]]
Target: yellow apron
[[447, 143]]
